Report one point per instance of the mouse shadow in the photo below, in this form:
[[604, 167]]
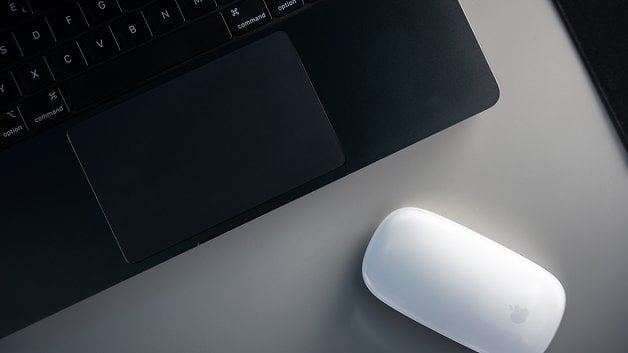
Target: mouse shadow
[[363, 323]]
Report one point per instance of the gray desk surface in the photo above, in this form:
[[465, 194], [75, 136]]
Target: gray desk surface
[[542, 172]]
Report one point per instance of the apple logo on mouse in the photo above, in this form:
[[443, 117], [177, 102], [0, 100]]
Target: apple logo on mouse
[[518, 314]]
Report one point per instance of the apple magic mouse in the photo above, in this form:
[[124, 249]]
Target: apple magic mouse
[[462, 284]]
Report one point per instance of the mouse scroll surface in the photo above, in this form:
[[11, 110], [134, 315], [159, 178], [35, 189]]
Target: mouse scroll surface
[[462, 284]]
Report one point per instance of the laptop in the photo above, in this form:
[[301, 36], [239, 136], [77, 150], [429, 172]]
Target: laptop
[[134, 130]]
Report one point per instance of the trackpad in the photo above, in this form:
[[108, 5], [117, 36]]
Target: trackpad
[[206, 146]]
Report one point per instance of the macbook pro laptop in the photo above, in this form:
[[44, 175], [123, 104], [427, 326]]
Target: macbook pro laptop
[[133, 130]]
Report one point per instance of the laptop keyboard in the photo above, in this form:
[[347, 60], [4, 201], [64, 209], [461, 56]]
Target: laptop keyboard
[[58, 58]]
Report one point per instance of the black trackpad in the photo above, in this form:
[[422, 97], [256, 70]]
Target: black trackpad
[[206, 146]]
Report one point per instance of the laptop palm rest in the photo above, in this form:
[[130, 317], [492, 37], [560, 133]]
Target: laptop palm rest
[[201, 149]]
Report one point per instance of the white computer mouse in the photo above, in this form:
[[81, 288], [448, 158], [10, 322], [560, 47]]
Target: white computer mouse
[[462, 284]]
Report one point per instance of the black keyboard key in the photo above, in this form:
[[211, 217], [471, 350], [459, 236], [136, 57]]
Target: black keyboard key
[[44, 108], [284, 7], [132, 4], [66, 60], [98, 45], [14, 11], [9, 53], [131, 30], [246, 15], [139, 64], [196, 8], [163, 16], [12, 125], [41, 6], [224, 2], [8, 89], [67, 20], [99, 11], [34, 37], [33, 76]]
